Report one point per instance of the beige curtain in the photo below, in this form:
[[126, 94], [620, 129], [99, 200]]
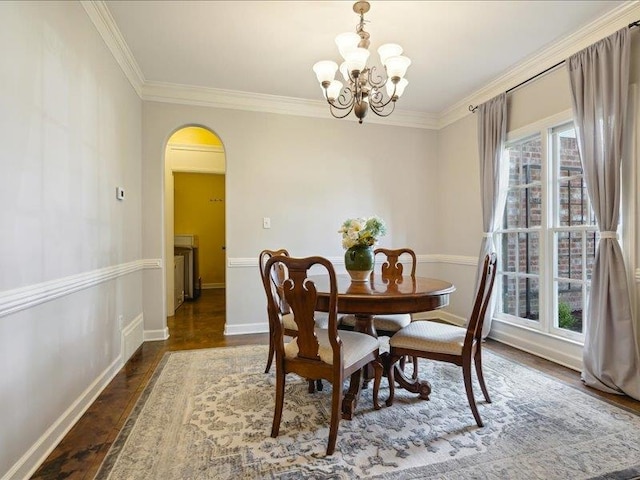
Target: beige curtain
[[492, 133], [599, 77]]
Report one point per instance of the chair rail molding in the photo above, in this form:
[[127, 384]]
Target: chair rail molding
[[12, 301], [242, 262]]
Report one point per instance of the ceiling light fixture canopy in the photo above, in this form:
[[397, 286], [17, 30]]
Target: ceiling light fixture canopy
[[364, 86]]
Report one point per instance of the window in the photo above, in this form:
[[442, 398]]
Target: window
[[548, 237]]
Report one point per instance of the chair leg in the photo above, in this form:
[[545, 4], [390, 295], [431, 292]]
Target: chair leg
[[414, 376], [271, 354], [478, 362], [377, 366], [336, 414], [277, 414], [466, 373], [315, 385], [390, 368]]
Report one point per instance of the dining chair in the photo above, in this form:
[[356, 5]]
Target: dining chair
[[391, 271], [289, 325], [315, 353], [449, 343]]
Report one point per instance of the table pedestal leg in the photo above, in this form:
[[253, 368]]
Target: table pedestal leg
[[413, 384], [364, 324]]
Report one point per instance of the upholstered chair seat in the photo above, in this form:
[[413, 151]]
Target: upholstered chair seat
[[355, 345], [430, 337], [382, 323]]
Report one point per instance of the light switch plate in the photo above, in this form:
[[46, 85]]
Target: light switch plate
[[266, 222], [120, 193]]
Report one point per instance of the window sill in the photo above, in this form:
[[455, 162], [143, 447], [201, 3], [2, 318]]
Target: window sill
[[557, 349]]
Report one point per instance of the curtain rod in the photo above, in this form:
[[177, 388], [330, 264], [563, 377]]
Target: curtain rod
[[473, 108]]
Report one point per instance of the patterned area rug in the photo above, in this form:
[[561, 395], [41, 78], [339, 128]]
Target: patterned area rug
[[207, 414]]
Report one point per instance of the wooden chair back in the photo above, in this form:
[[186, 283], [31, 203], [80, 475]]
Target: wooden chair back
[[300, 296], [482, 300], [305, 355], [392, 268], [277, 276]]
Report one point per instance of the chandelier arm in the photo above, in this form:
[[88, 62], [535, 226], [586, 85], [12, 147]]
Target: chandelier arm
[[331, 107], [371, 78], [379, 113], [379, 104], [343, 102], [339, 106], [376, 99]]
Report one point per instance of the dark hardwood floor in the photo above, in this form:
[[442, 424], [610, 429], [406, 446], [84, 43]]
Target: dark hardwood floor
[[200, 324]]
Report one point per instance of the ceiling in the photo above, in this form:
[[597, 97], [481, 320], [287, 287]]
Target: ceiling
[[269, 47]]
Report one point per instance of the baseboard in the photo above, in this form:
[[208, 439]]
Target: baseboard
[[132, 337], [211, 286], [441, 315], [246, 329], [156, 335], [39, 451]]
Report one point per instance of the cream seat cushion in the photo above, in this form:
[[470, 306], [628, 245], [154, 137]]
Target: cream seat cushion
[[385, 323], [322, 320], [428, 336], [354, 346]]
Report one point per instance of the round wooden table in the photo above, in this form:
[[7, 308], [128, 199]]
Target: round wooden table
[[379, 296]]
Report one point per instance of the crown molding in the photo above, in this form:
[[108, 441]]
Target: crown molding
[[231, 99], [605, 25], [108, 30], [259, 102]]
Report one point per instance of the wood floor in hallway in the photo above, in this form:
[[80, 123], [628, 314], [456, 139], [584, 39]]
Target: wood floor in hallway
[[200, 324]]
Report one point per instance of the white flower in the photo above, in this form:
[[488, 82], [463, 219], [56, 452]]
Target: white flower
[[362, 231]]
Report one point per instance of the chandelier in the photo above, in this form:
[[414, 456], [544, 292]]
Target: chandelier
[[364, 85]]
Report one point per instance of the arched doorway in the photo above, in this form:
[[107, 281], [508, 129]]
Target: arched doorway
[[194, 214]]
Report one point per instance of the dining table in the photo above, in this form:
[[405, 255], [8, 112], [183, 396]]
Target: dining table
[[379, 295]]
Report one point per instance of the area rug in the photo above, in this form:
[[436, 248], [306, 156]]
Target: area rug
[[206, 414]]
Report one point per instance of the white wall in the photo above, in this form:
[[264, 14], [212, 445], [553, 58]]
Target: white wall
[[70, 253], [308, 175]]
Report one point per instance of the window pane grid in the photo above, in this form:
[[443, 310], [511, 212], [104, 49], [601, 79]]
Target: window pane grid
[[519, 238], [574, 236], [557, 270]]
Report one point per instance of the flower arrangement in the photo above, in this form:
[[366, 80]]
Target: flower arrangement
[[362, 232]]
